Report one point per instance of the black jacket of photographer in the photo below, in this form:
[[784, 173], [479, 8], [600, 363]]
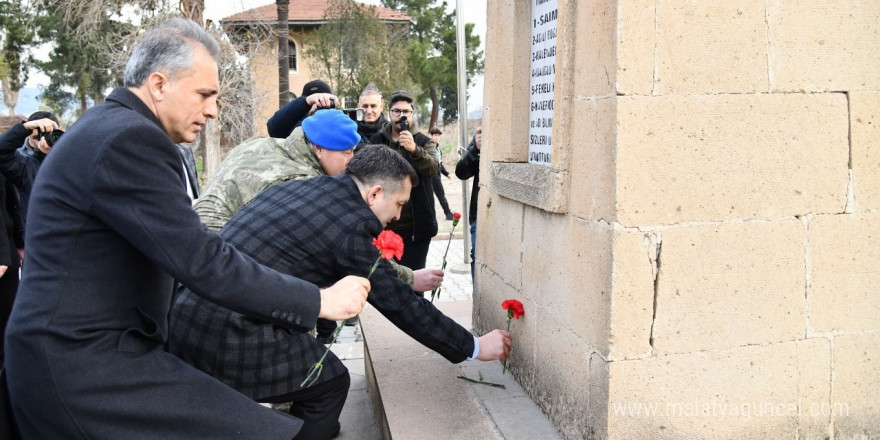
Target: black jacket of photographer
[[469, 166], [287, 118], [418, 213], [20, 166]]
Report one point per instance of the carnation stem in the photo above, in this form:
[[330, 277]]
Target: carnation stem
[[315, 371], [373, 267], [504, 364], [436, 291]]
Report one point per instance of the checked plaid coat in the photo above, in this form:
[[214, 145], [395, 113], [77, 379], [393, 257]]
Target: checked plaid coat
[[319, 230]]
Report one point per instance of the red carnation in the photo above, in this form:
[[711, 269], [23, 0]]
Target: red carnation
[[389, 244], [514, 311]]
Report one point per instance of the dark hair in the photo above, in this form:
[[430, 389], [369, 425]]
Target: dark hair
[[400, 95], [380, 165], [435, 130], [42, 115]]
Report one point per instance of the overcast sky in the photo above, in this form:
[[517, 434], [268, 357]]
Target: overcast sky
[[474, 11]]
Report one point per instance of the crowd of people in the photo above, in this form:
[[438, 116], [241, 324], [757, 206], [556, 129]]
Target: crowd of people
[[147, 308]]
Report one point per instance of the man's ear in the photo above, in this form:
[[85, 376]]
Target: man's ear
[[157, 83], [373, 194]]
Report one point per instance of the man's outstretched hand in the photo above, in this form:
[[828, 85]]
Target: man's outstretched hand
[[495, 345], [344, 299], [427, 279]]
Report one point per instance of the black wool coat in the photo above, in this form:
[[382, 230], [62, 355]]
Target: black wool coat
[[85, 352]]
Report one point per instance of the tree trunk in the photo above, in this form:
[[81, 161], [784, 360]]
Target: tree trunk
[[211, 153], [283, 31], [10, 98], [435, 108], [193, 10]]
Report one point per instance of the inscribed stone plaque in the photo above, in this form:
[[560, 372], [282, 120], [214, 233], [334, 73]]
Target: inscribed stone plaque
[[542, 81]]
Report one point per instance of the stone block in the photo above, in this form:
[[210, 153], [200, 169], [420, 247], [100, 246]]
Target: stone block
[[711, 47], [727, 157], [636, 47], [855, 401], [729, 285], [865, 128], [499, 237], [823, 46], [754, 392], [634, 267], [844, 263], [509, 35], [592, 160], [534, 185], [567, 270], [594, 40], [570, 378]]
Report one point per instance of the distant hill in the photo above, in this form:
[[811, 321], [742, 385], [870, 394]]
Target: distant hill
[[27, 102]]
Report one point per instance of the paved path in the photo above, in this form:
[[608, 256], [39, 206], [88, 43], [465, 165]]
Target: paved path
[[357, 415]]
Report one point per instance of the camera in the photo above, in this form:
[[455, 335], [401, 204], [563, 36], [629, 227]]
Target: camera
[[52, 136], [404, 126], [355, 114]]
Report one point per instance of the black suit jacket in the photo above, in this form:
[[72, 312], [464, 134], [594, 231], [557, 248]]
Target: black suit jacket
[[111, 228], [320, 230]]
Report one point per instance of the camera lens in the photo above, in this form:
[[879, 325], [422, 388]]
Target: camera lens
[[53, 136]]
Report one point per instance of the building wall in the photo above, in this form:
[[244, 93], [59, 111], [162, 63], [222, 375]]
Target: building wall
[[264, 71], [701, 258]]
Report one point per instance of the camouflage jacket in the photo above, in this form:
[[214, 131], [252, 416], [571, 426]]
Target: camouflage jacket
[[251, 167]]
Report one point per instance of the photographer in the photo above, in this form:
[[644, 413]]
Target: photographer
[[417, 223], [20, 166], [315, 95]]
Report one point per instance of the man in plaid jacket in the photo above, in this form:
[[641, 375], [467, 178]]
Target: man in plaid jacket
[[320, 230]]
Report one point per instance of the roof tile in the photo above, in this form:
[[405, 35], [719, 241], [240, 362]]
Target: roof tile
[[303, 11]]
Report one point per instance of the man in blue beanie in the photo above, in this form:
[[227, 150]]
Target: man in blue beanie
[[323, 145]]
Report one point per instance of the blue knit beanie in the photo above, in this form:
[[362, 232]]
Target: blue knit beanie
[[331, 129]]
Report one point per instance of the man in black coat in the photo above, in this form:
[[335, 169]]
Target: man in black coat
[[315, 96], [85, 351], [418, 222], [469, 166], [320, 230]]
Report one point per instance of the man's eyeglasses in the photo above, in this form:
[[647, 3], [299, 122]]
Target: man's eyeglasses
[[398, 112]]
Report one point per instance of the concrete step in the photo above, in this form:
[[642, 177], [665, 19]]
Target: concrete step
[[416, 393]]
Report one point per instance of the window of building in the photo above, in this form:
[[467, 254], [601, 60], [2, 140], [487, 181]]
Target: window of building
[[291, 54]]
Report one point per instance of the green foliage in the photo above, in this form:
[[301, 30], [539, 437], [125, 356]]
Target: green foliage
[[433, 54], [81, 67], [355, 48], [16, 36]]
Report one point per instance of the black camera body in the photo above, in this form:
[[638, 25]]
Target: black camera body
[[355, 114], [404, 126], [51, 136]]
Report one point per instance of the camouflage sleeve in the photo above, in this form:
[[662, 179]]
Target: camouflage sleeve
[[403, 272], [212, 211]]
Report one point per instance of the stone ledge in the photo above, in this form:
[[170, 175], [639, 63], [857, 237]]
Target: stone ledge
[[416, 393]]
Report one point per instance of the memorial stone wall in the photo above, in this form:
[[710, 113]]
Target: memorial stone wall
[[686, 198]]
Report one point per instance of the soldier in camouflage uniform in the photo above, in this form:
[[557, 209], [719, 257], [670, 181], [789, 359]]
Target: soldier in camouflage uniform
[[259, 163]]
